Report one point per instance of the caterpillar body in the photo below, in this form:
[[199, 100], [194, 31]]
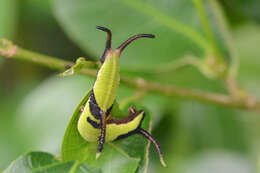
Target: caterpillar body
[[96, 124]]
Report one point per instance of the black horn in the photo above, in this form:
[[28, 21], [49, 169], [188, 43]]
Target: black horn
[[108, 43], [127, 42]]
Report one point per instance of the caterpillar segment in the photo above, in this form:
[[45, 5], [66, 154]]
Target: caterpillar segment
[[96, 124]]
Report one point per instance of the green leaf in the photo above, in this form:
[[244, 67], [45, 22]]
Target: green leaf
[[30, 161], [84, 168], [55, 168], [45, 112], [70, 146], [259, 164], [218, 161], [247, 39], [127, 155], [213, 127], [70, 167], [175, 24], [138, 146], [241, 8], [41, 162], [193, 128]]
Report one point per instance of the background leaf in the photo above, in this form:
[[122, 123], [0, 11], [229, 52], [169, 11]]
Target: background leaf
[[44, 114], [238, 9], [218, 161], [164, 18]]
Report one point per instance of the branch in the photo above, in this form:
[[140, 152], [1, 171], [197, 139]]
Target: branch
[[208, 30], [8, 51], [227, 36]]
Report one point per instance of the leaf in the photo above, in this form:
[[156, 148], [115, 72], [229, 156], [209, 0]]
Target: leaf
[[193, 128], [68, 145], [247, 38], [175, 24], [70, 167], [127, 155], [249, 9], [258, 164], [45, 112], [41, 162], [218, 161], [84, 168], [30, 161], [138, 146]]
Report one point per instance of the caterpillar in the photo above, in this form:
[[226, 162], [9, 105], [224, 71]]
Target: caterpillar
[[96, 124]]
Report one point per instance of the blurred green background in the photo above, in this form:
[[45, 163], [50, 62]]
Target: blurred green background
[[35, 105]]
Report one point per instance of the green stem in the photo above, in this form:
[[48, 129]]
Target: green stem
[[208, 30], [232, 86], [177, 64], [10, 51], [225, 32], [174, 65]]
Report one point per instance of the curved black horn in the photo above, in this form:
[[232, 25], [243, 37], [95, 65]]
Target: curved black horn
[[108, 43], [127, 42]]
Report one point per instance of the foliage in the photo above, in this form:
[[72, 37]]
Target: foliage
[[39, 162]]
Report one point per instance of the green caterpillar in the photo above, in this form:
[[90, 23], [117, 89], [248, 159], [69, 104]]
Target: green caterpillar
[[96, 124]]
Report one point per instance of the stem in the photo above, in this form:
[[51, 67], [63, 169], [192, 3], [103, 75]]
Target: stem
[[8, 51], [174, 65], [231, 83], [189, 94], [225, 32], [177, 64], [208, 30]]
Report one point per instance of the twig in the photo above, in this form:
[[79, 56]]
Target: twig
[[208, 30], [227, 36], [137, 83], [233, 66]]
